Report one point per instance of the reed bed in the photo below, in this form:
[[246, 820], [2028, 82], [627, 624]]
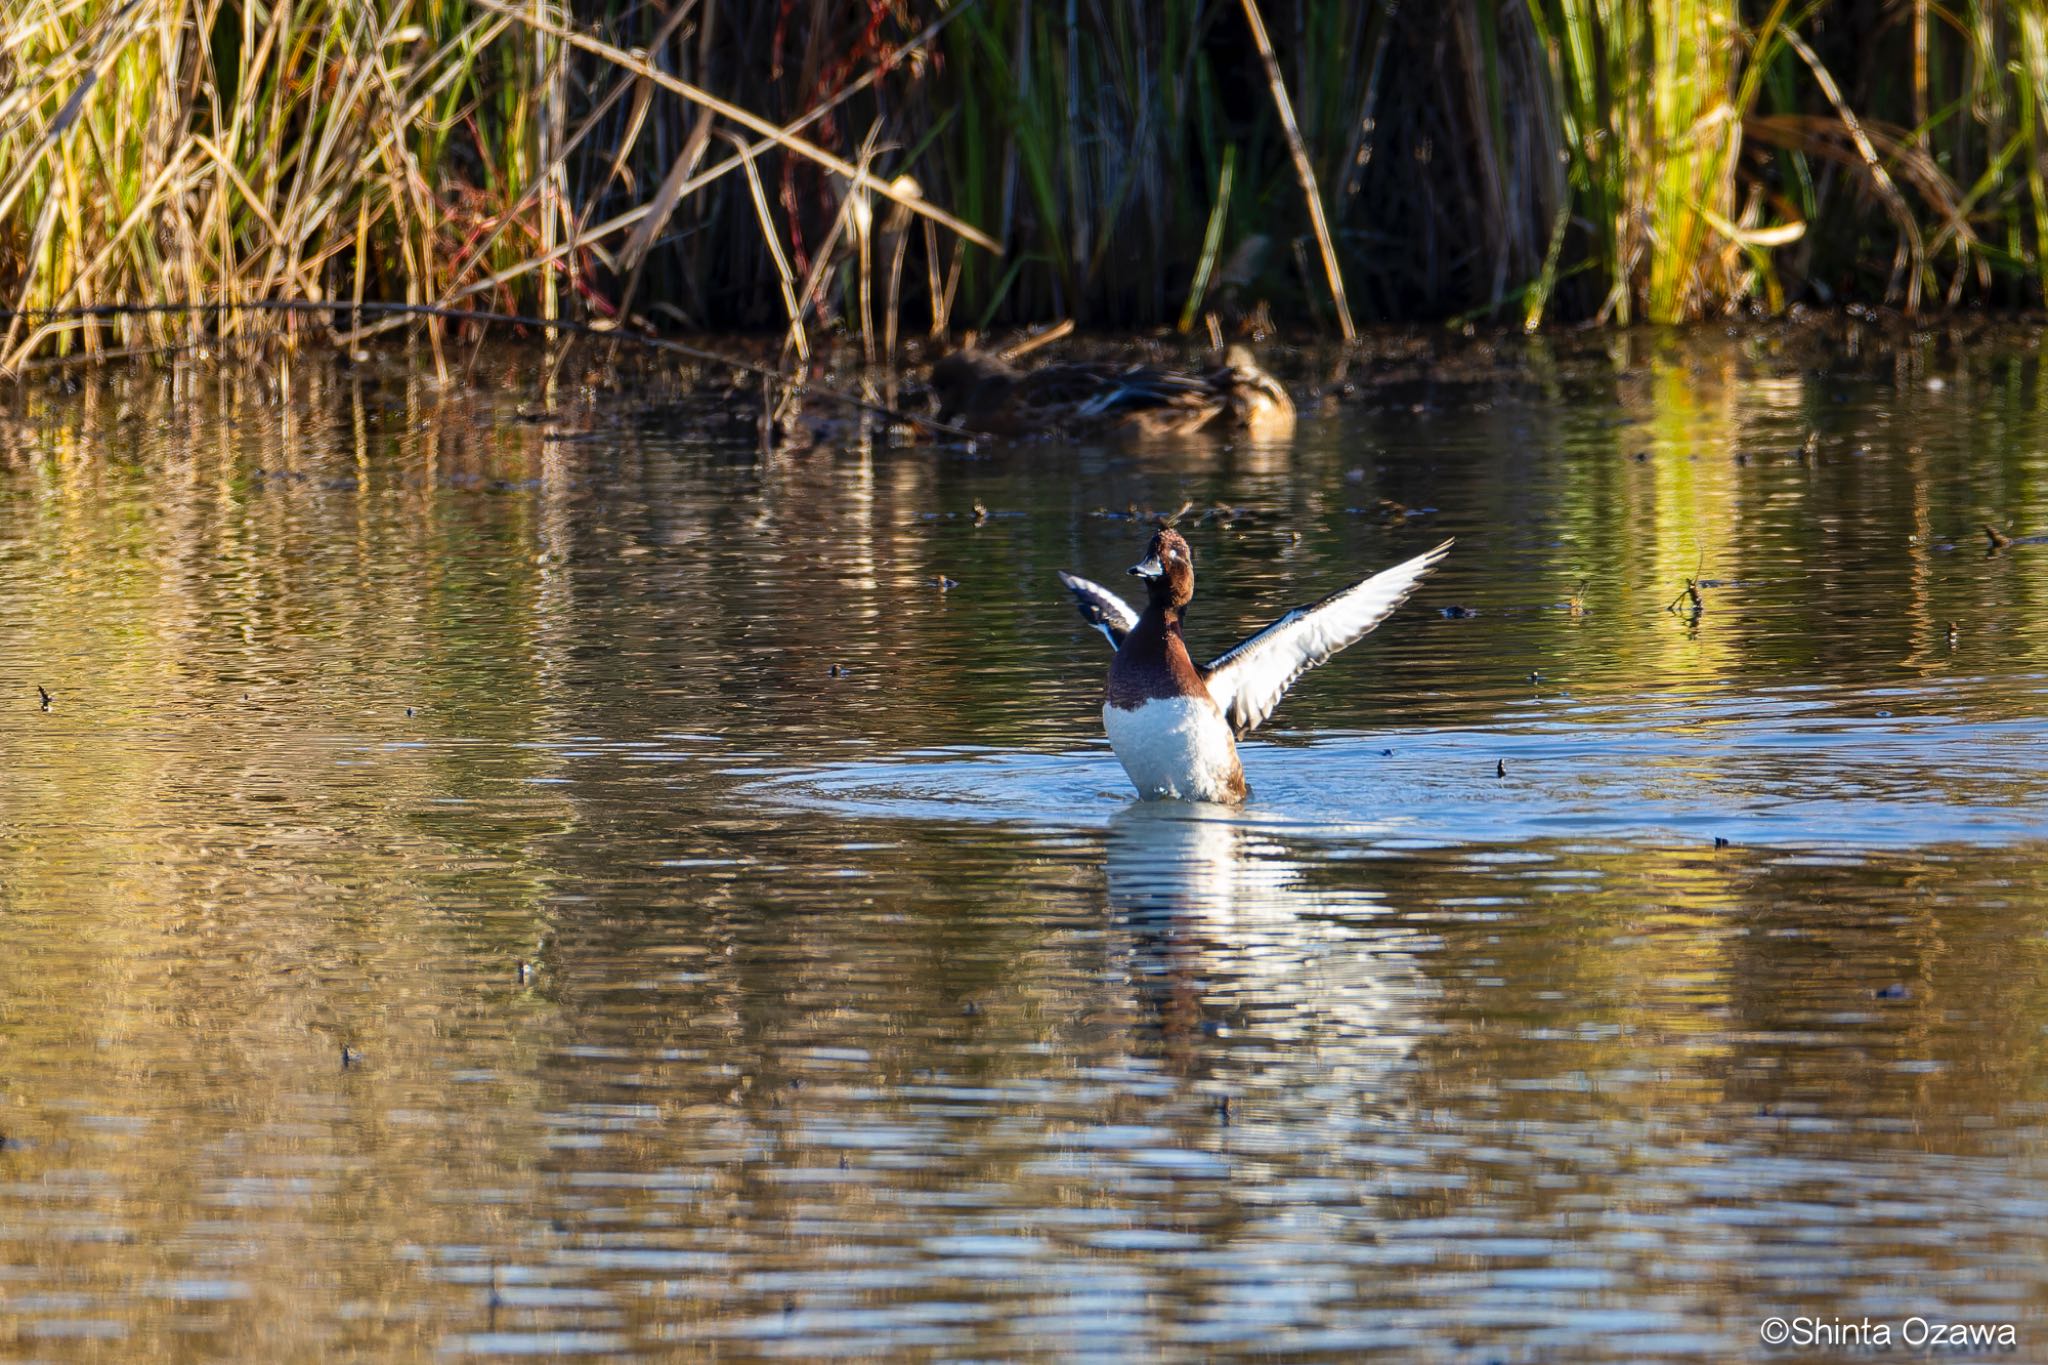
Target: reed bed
[[885, 167]]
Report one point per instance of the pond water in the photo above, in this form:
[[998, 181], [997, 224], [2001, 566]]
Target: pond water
[[452, 907]]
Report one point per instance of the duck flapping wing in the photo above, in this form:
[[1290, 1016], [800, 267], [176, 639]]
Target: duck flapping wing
[[1249, 680], [1102, 609]]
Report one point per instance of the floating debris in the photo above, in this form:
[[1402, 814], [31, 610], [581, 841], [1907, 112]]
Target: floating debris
[[945, 584], [350, 1057], [1999, 539], [1457, 613], [525, 972], [44, 693], [1223, 514], [1500, 767], [1132, 512], [1898, 990], [1691, 591], [980, 513]]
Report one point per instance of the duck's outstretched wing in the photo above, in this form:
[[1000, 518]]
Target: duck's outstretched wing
[[1102, 609], [1249, 680]]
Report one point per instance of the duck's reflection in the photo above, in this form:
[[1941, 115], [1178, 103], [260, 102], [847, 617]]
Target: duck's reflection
[[1231, 936]]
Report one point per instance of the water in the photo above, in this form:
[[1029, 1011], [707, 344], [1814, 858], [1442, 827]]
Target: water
[[866, 1016]]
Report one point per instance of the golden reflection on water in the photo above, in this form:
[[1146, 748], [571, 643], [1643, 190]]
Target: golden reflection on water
[[366, 693]]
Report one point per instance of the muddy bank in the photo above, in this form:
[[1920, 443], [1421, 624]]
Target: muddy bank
[[588, 386]]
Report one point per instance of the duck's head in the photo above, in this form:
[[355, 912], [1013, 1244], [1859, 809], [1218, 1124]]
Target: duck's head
[[1168, 569]]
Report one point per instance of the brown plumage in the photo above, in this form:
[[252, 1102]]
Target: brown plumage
[[986, 393], [1153, 660], [1153, 664], [1173, 723]]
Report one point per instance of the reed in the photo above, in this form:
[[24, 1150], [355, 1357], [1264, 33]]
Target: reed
[[1652, 124], [887, 165], [186, 150]]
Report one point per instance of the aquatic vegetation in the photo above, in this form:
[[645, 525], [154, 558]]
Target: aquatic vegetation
[[201, 153], [896, 164], [198, 157]]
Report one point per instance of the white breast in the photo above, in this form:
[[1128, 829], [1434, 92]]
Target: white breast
[[1177, 747]]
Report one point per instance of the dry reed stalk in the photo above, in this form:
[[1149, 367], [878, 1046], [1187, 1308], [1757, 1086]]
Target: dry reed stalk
[[1063, 328], [1912, 249], [1303, 170], [551, 196], [223, 151], [627, 61], [633, 256], [646, 219], [860, 211], [855, 209], [941, 291], [773, 242], [640, 244], [896, 233]]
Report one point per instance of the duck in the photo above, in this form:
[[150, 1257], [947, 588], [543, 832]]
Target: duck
[[1173, 723], [986, 393]]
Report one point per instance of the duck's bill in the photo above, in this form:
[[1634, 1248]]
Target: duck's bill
[[1148, 567]]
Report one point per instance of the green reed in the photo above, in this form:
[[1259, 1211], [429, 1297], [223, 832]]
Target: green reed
[[196, 151], [1517, 161]]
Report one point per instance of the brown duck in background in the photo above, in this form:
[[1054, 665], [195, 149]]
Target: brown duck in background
[[986, 393]]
